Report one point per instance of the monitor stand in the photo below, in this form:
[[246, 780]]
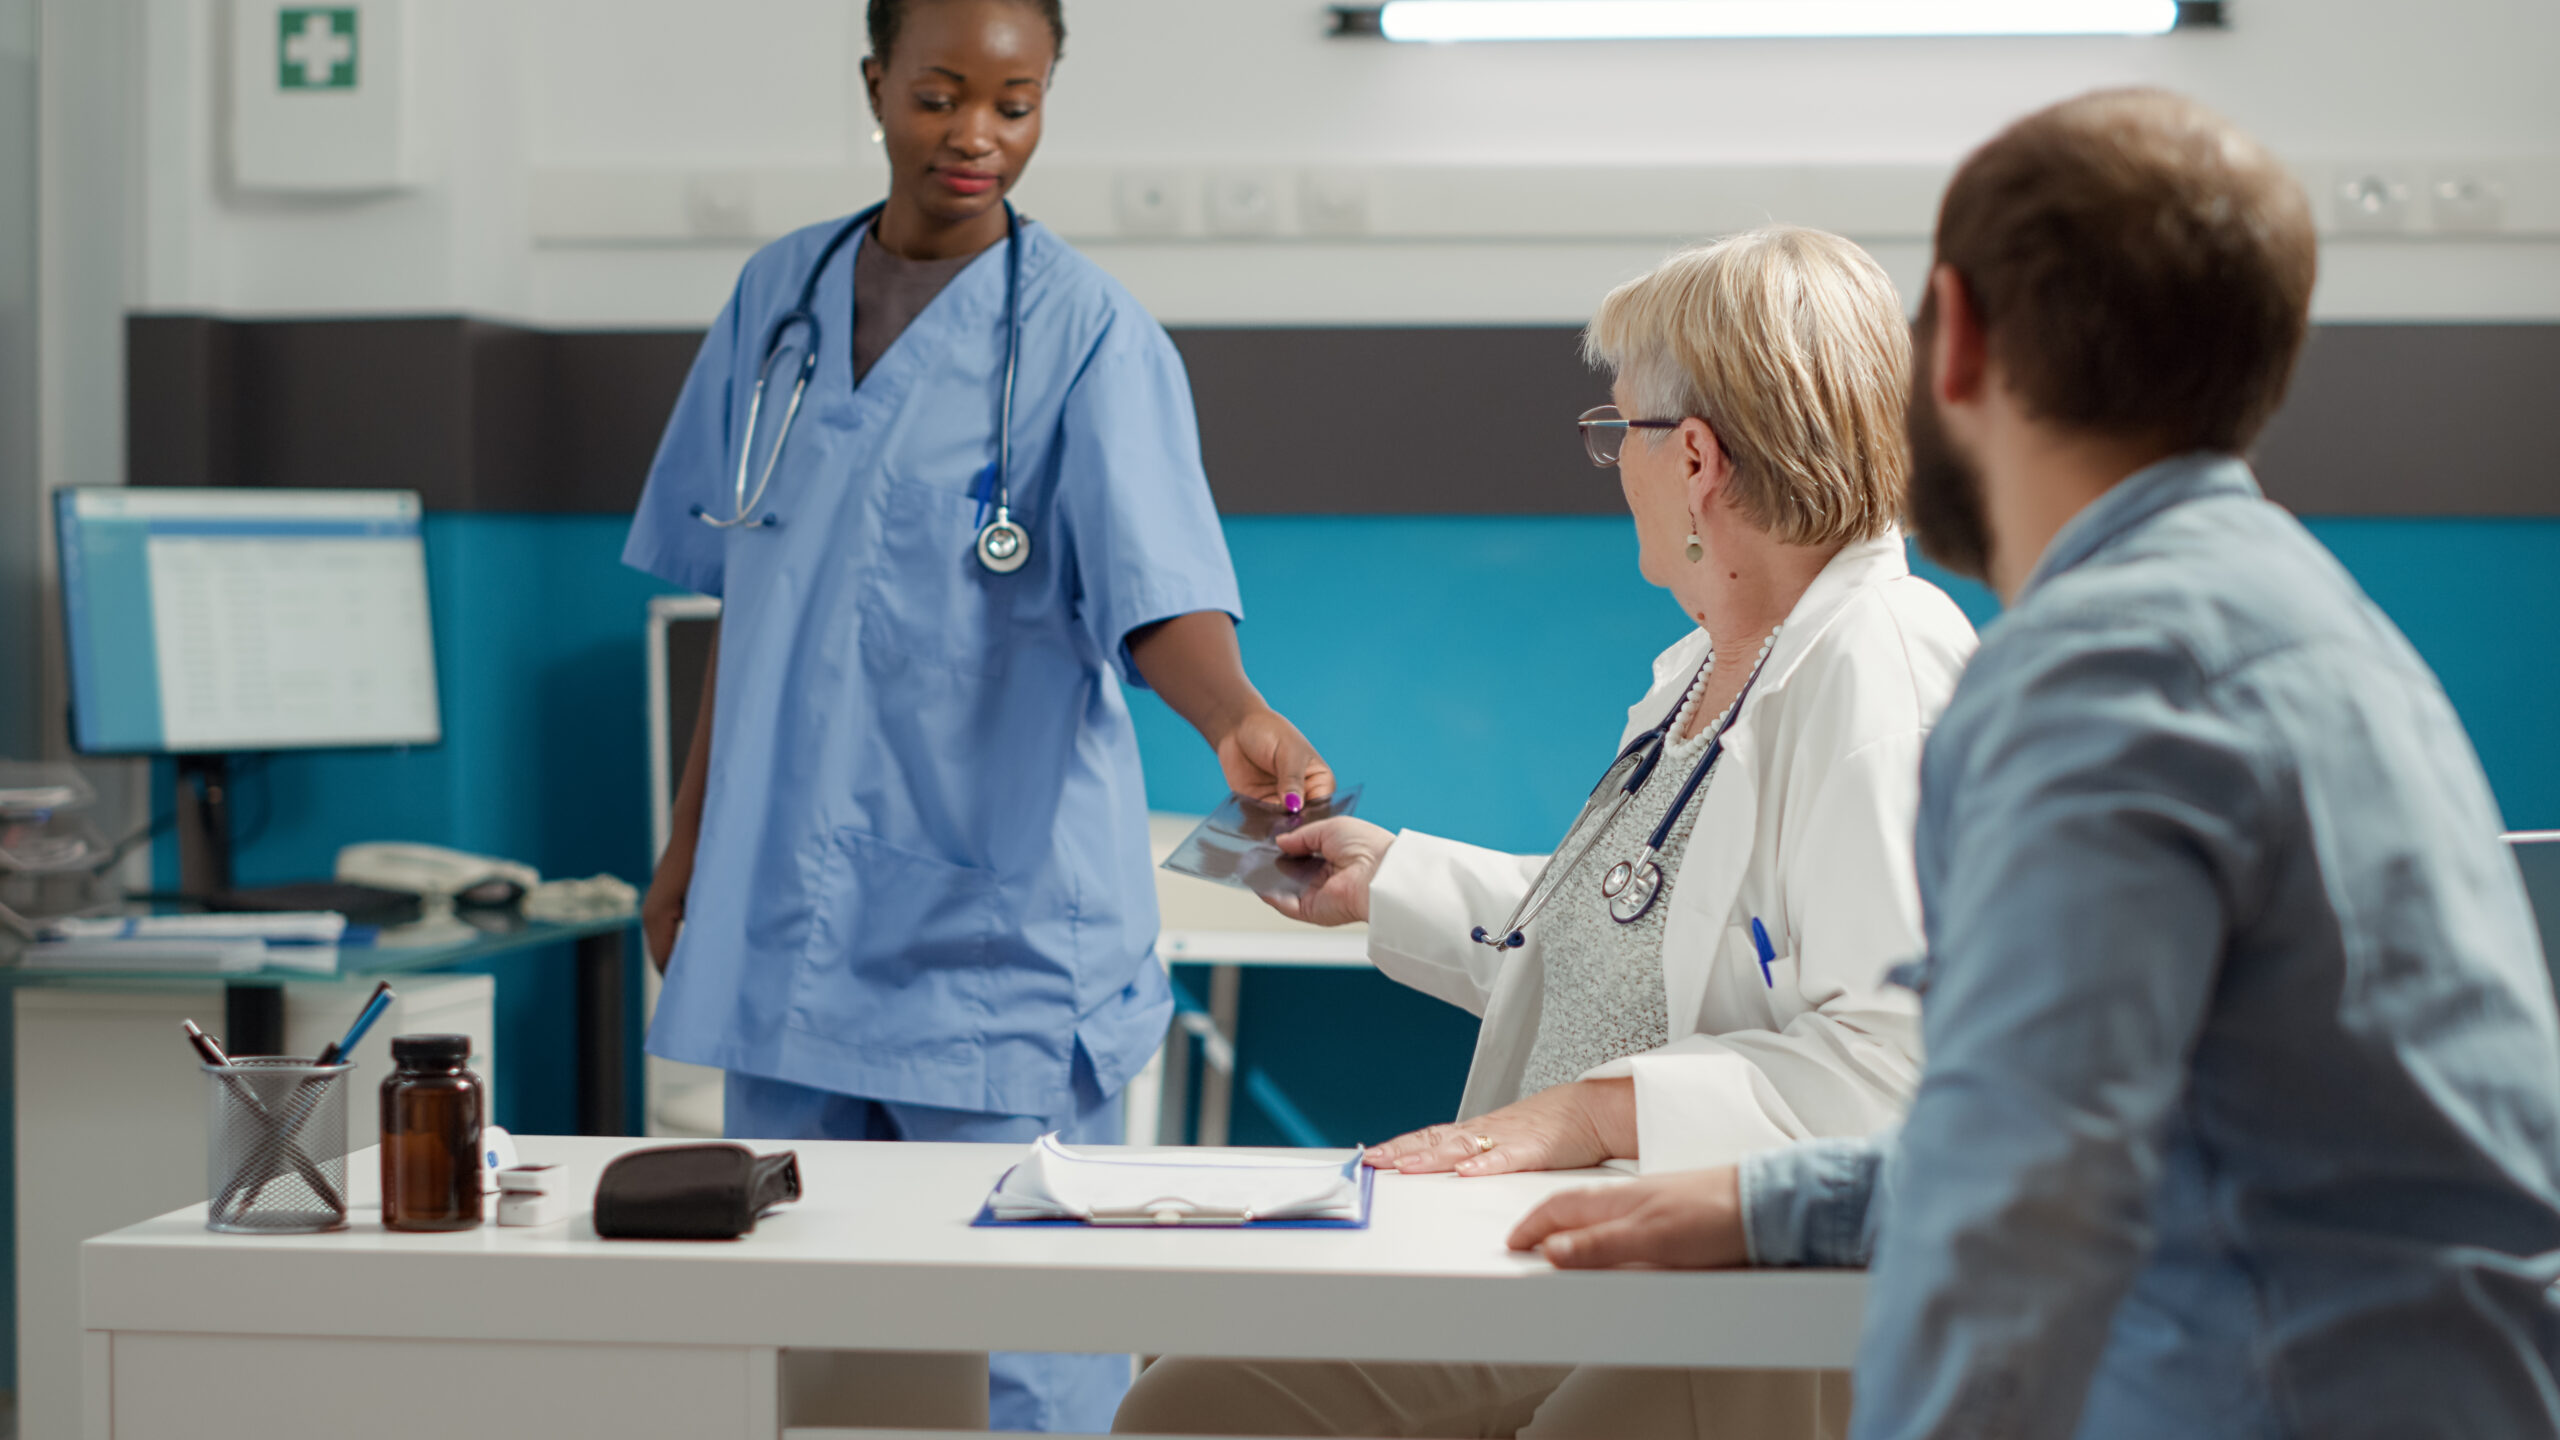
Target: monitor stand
[[204, 825], [252, 1015]]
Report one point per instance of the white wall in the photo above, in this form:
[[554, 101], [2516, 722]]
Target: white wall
[[609, 162], [21, 565]]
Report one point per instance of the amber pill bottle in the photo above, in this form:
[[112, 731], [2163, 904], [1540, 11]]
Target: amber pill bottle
[[432, 1110]]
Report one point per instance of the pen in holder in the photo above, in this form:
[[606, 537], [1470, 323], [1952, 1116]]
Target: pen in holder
[[276, 1151]]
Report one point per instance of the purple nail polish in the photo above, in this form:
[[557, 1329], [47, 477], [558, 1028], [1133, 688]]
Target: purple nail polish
[[1294, 802]]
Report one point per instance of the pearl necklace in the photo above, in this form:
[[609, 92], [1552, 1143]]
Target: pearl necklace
[[1698, 688]]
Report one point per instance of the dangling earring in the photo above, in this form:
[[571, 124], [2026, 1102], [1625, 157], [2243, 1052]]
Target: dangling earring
[[878, 134], [1697, 552]]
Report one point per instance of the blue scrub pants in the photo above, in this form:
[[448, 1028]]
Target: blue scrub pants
[[1025, 1391]]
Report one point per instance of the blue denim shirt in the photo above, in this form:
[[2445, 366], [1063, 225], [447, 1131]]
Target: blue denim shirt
[[2241, 1115]]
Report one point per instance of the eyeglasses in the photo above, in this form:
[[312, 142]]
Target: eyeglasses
[[1604, 432]]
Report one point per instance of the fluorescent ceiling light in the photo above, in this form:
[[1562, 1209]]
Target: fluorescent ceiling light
[[1765, 19]]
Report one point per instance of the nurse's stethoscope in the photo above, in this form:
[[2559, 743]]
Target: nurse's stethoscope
[[1003, 546], [1631, 886]]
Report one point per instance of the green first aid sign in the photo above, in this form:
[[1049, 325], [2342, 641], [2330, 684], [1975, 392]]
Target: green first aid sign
[[316, 48]]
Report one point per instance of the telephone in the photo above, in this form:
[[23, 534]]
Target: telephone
[[428, 869]]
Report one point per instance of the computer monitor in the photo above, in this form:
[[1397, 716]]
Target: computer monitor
[[206, 621], [2538, 855]]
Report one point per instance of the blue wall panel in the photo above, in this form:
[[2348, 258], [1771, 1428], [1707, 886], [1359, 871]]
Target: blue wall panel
[[540, 669], [1472, 672]]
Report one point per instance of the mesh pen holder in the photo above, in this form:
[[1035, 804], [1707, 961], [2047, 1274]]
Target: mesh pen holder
[[276, 1152]]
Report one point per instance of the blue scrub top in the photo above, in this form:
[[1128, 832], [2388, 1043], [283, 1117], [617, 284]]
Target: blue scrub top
[[923, 872]]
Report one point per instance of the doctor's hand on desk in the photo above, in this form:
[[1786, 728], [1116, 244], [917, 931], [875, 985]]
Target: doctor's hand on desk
[[1572, 1126], [1351, 850], [1689, 1221]]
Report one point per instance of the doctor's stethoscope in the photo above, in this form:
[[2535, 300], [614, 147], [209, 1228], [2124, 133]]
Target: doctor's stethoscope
[[1631, 886], [1002, 546]]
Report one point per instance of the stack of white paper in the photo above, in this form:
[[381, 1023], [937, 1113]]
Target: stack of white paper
[[223, 944], [1179, 1186], [228, 957], [307, 927]]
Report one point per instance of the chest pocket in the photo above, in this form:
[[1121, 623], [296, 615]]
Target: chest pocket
[[1756, 996], [927, 598]]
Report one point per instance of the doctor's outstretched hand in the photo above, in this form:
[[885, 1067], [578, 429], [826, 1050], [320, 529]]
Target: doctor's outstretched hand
[[1351, 850]]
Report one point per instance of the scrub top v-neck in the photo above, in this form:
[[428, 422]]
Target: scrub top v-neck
[[889, 292]]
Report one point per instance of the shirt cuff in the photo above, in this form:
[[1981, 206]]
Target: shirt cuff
[[1699, 1106], [1807, 1204]]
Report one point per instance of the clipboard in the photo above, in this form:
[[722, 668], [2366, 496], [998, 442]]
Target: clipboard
[[986, 1217]]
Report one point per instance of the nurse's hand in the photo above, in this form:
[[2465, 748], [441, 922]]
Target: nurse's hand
[[1564, 1127], [1691, 1221], [1353, 849], [1266, 759], [662, 909]]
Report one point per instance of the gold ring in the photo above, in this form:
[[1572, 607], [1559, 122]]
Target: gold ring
[[1484, 1144]]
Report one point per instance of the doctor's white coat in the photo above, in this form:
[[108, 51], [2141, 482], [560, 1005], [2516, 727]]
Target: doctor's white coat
[[1806, 825]]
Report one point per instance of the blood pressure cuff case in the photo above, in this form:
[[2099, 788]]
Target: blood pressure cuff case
[[692, 1192]]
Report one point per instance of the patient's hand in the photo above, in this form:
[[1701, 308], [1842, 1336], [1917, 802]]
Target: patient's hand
[[1563, 1127], [1690, 1221], [1352, 848]]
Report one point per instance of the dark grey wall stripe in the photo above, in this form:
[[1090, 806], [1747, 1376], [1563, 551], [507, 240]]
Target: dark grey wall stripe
[[2384, 419], [2419, 420]]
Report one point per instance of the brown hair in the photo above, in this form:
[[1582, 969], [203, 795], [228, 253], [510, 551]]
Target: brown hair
[[1791, 343], [2141, 267]]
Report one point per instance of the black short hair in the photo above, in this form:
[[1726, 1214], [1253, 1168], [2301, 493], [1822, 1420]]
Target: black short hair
[[888, 16]]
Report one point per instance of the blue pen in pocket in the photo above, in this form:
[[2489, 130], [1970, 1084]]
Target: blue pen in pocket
[[1768, 952]]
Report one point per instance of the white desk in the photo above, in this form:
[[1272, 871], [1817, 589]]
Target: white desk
[[551, 1332]]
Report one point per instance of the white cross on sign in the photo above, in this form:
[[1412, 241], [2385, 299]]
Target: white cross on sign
[[322, 47]]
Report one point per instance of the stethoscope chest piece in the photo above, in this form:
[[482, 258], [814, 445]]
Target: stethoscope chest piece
[[1631, 890], [1004, 546]]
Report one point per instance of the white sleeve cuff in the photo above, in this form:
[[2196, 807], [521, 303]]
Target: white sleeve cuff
[[1702, 1107]]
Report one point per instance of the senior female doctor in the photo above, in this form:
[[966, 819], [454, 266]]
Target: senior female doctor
[[945, 476], [1699, 970]]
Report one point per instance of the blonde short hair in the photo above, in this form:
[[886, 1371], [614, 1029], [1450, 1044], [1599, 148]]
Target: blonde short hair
[[1793, 345]]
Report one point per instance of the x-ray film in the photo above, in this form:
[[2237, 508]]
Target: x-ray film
[[1239, 845]]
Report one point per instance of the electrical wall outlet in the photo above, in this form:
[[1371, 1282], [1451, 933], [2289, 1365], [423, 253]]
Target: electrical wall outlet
[[1244, 202], [719, 205], [1333, 202], [2467, 202], [2372, 200], [1148, 202]]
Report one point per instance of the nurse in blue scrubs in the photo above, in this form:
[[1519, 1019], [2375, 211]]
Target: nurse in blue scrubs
[[909, 895]]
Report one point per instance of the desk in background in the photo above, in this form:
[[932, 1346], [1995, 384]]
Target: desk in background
[[253, 1017], [110, 1109], [550, 1332], [1228, 930]]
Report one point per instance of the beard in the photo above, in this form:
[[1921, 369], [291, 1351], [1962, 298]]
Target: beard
[[1944, 503]]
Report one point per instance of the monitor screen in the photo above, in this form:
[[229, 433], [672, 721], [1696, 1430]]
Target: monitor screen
[[203, 620]]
